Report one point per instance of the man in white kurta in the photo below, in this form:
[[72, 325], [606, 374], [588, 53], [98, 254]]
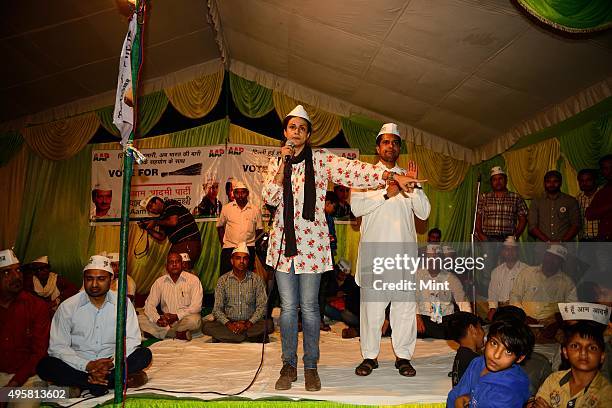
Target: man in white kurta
[[388, 216], [504, 275], [179, 294]]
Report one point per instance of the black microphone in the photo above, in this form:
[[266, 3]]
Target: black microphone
[[292, 146]]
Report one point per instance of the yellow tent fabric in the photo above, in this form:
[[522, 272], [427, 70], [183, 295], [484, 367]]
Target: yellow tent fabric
[[325, 125], [526, 167], [62, 139], [194, 99], [12, 181], [240, 135]]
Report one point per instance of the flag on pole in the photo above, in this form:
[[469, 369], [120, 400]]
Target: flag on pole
[[123, 116]]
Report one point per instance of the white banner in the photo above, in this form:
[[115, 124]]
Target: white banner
[[123, 115], [198, 177]]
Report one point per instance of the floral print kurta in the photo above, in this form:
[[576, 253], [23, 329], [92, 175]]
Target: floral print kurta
[[312, 237]]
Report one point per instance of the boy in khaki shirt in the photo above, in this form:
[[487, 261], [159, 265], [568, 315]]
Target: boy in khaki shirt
[[582, 385]]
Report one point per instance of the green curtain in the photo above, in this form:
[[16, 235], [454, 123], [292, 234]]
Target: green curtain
[[571, 15], [209, 134], [584, 145], [55, 212], [251, 99], [361, 134], [150, 110], [10, 144]]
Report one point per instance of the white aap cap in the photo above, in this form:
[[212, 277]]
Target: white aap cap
[[558, 250], [585, 311], [510, 241], [389, 128], [300, 112], [113, 256], [344, 265], [497, 170], [42, 259], [185, 257], [434, 249], [99, 262], [8, 258], [238, 184], [146, 201], [242, 247]]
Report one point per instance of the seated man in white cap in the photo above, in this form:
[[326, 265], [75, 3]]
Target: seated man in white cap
[[436, 290], [342, 299], [24, 326], [131, 284], [240, 221], [187, 267], [179, 294], [240, 303], [174, 222], [82, 342], [50, 286], [537, 290], [503, 276]]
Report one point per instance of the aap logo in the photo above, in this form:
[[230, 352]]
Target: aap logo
[[101, 156]]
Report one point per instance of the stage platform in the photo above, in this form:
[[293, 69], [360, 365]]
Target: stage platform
[[200, 365]]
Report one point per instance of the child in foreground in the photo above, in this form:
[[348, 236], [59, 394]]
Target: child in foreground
[[495, 379], [582, 385], [466, 329]]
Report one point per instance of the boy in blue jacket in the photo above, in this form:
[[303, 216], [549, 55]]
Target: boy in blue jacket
[[495, 379]]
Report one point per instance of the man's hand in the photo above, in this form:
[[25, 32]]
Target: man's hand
[[162, 322], [393, 189], [234, 327], [412, 170], [102, 364], [171, 318], [407, 183], [149, 225], [481, 237], [420, 324], [462, 401]]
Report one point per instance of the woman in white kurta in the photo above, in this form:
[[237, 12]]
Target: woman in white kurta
[[299, 241]]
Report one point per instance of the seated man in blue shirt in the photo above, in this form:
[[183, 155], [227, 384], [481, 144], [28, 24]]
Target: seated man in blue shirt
[[240, 303], [82, 341], [495, 380]]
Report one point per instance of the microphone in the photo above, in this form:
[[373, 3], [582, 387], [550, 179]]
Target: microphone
[[292, 146]]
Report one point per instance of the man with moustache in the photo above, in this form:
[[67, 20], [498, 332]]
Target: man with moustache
[[82, 341], [388, 217], [24, 326], [240, 221], [179, 294], [501, 213], [554, 217]]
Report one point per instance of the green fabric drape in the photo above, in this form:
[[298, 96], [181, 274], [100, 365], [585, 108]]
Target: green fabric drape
[[150, 109], [10, 145], [571, 15], [55, 212], [209, 134], [361, 135], [251, 99], [584, 145]]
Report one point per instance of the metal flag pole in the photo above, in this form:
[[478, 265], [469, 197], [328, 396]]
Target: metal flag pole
[[473, 244], [131, 59]]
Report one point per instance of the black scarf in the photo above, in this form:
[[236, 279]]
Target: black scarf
[[308, 211]]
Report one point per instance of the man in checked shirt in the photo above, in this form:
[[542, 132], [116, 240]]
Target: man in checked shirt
[[240, 303]]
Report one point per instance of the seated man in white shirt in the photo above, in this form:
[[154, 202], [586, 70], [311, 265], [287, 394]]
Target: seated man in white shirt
[[503, 276], [538, 290], [436, 290], [179, 294], [82, 341]]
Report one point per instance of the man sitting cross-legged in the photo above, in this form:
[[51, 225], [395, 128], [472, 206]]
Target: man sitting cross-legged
[[179, 294], [240, 303], [82, 342]]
